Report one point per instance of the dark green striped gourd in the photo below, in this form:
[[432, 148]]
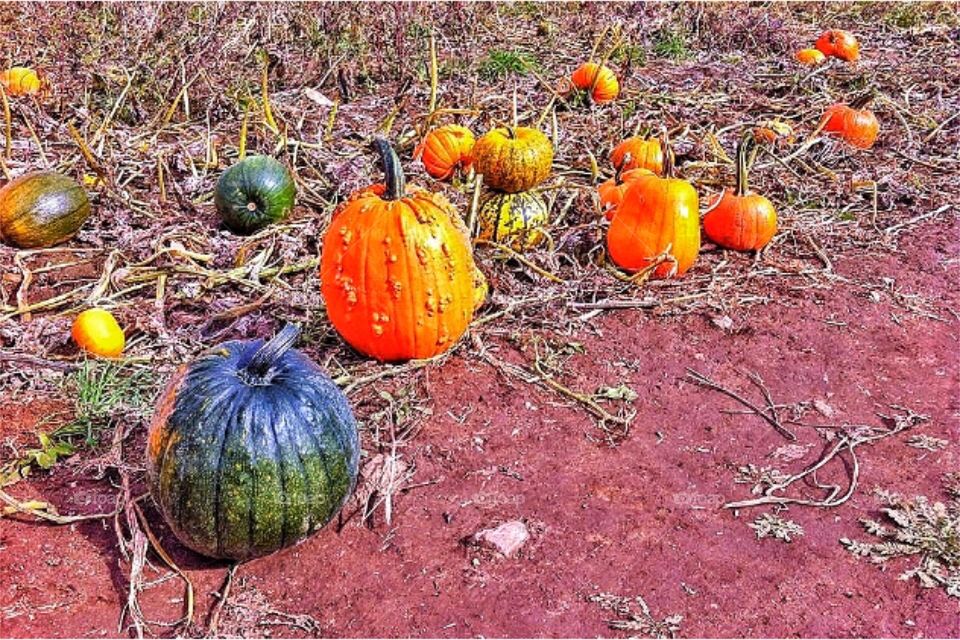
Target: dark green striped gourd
[[254, 193], [252, 448]]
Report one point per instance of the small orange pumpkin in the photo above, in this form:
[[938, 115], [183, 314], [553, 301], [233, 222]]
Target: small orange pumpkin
[[20, 81], [738, 219], [598, 81], [397, 269], [97, 332], [810, 57], [839, 44], [854, 123], [445, 150], [638, 152], [656, 214], [611, 191]]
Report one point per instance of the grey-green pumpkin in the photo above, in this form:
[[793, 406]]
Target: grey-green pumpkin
[[254, 193], [252, 448], [41, 209], [518, 220]]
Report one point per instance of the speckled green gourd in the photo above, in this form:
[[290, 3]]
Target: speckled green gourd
[[252, 448], [255, 192]]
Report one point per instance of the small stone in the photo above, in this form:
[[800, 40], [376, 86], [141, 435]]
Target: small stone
[[723, 322], [507, 538], [823, 408]]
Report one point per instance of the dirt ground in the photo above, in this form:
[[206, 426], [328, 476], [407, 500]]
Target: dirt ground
[[864, 334]]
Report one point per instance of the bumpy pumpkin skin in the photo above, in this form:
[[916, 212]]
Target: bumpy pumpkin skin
[[638, 153], [741, 223], [611, 191], [243, 464], [20, 81], [517, 220], [446, 150], [656, 212], [254, 193], [397, 271], [607, 88], [513, 159], [41, 209], [858, 127], [839, 44], [810, 57]]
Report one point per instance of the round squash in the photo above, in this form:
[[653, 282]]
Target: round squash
[[96, 331], [254, 193], [446, 150], [638, 152], [41, 209], [513, 159], [397, 269], [597, 81], [20, 81], [252, 448], [853, 123], [515, 219]]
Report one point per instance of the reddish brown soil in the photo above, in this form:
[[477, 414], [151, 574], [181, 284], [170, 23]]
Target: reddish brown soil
[[641, 518]]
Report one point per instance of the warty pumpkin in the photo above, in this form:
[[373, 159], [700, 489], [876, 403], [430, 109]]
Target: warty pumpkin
[[515, 219], [397, 269], [810, 57], [839, 44], [251, 449], [855, 124], [513, 159], [737, 218], [254, 193], [637, 152], [20, 81], [41, 209], [97, 332], [446, 150], [597, 81], [656, 214]]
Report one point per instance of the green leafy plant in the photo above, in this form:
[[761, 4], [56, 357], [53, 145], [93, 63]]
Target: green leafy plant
[[629, 55], [671, 44], [499, 64]]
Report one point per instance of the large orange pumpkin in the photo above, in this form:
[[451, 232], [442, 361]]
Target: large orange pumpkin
[[854, 123], [656, 214], [611, 191], [599, 81], [638, 152], [513, 159], [738, 219], [445, 150], [839, 44], [397, 269]]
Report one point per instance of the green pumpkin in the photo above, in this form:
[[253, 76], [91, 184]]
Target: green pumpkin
[[252, 448], [41, 209], [514, 219], [253, 193]]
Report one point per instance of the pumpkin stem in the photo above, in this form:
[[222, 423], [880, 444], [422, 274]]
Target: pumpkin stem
[[668, 158], [396, 182], [510, 132], [272, 350], [745, 151], [863, 100]]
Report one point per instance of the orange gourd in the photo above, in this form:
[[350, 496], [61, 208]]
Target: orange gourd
[[97, 332], [656, 216], [638, 152], [854, 123], [445, 150], [20, 81], [810, 57], [839, 44], [611, 191], [397, 269], [598, 81], [738, 219]]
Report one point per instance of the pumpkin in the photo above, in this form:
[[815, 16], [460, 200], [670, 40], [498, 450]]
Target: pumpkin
[[637, 152], [611, 191], [839, 44], [656, 214], [252, 448], [445, 150], [397, 269], [810, 57], [41, 209], [854, 123], [20, 81], [738, 219], [253, 193], [97, 332], [598, 81], [513, 159], [515, 219]]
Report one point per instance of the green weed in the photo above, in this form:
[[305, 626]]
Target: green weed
[[671, 44], [499, 64]]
